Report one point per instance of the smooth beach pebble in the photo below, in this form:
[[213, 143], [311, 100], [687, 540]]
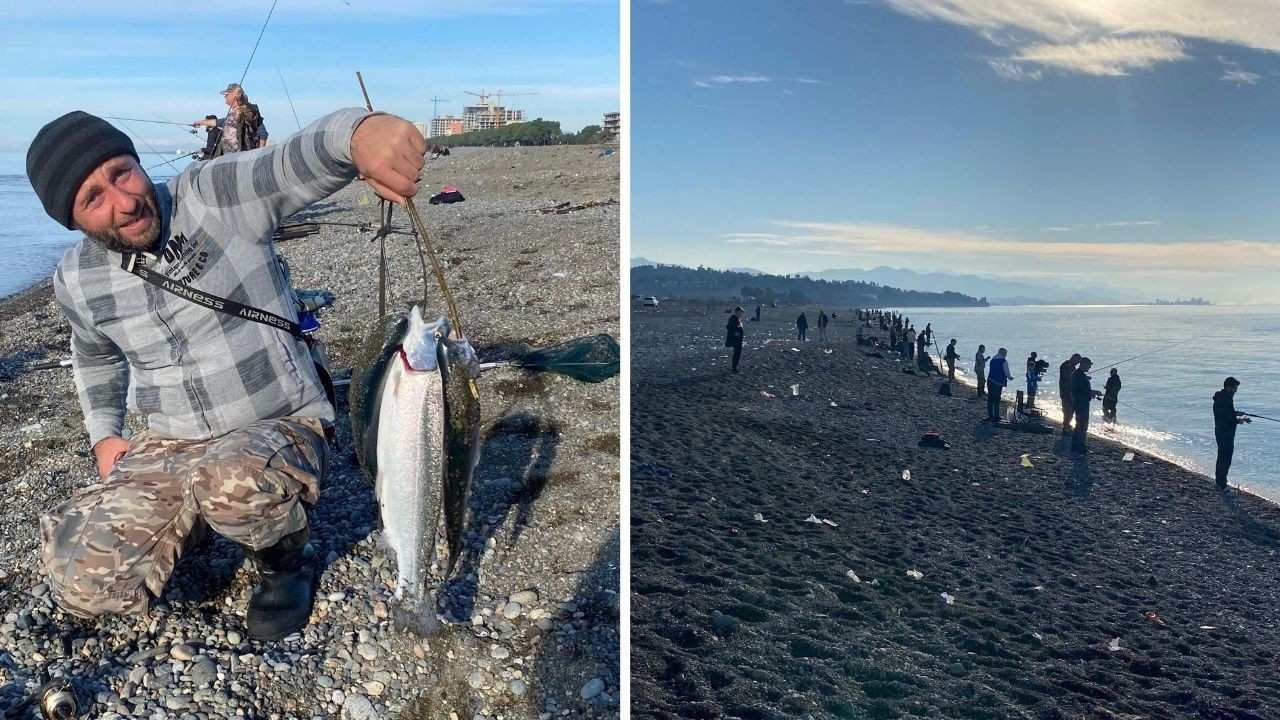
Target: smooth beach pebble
[[956, 669]]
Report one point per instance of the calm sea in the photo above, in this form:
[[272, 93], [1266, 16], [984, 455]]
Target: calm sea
[[31, 243], [1167, 396]]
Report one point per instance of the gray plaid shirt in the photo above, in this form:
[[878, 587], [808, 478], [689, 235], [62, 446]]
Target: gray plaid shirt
[[192, 372]]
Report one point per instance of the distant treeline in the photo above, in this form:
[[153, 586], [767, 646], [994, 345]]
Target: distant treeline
[[533, 132], [676, 281]]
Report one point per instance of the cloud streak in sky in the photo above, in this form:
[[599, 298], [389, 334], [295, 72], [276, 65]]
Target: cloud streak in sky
[[833, 238], [1104, 38]]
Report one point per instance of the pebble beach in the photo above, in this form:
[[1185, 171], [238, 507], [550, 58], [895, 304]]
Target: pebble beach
[[796, 554], [531, 614]]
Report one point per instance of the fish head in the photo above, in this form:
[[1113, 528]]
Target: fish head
[[423, 342]]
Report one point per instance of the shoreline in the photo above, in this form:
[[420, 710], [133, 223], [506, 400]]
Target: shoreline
[[532, 611], [784, 563]]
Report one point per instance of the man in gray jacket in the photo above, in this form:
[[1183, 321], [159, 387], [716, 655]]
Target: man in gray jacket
[[180, 311]]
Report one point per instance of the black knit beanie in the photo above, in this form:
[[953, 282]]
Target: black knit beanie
[[64, 153]]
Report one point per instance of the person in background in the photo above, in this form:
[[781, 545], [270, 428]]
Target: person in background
[[909, 337], [997, 377], [1064, 390], [1033, 381], [928, 334], [1082, 393], [1110, 397], [1225, 420], [893, 339], [802, 325], [734, 333], [980, 369], [822, 325], [757, 312], [213, 136], [241, 127], [951, 357]]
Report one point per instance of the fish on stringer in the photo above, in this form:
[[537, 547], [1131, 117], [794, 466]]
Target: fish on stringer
[[415, 418], [415, 421]]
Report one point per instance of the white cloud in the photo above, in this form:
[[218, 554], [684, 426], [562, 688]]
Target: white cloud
[[809, 81], [1010, 70], [1126, 223], [1104, 38], [1243, 77], [744, 78], [828, 238], [1104, 56], [1055, 229]]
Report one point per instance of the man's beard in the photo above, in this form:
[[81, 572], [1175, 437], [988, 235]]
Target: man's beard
[[113, 240]]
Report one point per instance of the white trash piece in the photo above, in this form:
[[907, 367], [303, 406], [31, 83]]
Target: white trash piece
[[906, 474], [795, 390]]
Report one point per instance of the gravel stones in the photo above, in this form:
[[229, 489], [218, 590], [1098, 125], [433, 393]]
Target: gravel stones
[[182, 652]]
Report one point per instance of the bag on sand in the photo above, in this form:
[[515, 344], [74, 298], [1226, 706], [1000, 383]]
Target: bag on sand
[[933, 439], [945, 389]]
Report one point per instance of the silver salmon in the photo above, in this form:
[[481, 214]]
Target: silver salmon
[[415, 420]]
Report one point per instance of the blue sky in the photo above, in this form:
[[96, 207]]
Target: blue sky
[[1134, 144], [165, 60]]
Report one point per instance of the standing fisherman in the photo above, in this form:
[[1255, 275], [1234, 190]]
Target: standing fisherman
[[1081, 394], [980, 369], [1225, 420], [1064, 390], [822, 325], [802, 325], [1111, 397], [998, 378], [951, 357], [734, 332], [1033, 381]]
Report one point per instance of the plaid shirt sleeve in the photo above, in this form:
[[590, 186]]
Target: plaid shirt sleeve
[[99, 366]]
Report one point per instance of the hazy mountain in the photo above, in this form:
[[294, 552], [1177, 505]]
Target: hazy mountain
[[638, 261], [997, 291]]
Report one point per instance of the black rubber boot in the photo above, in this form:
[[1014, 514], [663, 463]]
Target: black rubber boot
[[281, 602]]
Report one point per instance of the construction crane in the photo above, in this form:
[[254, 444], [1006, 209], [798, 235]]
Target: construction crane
[[435, 111], [484, 97]]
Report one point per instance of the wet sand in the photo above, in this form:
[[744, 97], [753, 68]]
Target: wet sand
[[1077, 587]]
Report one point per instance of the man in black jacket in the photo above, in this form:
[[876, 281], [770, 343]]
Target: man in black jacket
[[1225, 420], [1081, 394], [734, 333], [1064, 389], [1111, 397]]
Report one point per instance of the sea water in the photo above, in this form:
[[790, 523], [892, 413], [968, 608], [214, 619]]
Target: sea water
[[1167, 396], [31, 243]]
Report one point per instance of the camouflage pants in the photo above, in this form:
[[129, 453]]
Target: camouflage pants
[[113, 545]]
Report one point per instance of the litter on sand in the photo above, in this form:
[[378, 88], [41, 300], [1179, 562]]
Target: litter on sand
[[1153, 617], [759, 517], [1208, 627], [1128, 457], [826, 351], [767, 394], [820, 521], [834, 405], [852, 576], [1026, 461], [1114, 645], [795, 390], [915, 574], [948, 599], [906, 474]]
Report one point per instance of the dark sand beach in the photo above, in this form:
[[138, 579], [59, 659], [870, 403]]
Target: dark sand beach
[[532, 611], [977, 588]]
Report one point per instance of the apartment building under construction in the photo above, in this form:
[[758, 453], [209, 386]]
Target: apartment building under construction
[[481, 116]]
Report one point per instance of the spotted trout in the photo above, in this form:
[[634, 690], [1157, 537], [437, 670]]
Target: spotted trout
[[415, 422]]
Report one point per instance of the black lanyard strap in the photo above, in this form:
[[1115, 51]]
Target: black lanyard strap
[[131, 263]]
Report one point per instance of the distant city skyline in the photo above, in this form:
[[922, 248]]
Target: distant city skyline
[[155, 61], [1133, 146]]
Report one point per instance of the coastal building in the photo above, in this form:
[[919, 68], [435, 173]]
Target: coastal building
[[612, 122], [484, 116], [447, 125]]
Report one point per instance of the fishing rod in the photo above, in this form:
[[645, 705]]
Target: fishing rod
[[1144, 412], [290, 97], [255, 45], [184, 126], [157, 152], [1135, 357], [423, 240], [192, 155], [1262, 417]]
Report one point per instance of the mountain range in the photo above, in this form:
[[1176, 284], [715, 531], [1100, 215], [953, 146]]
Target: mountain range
[[998, 291]]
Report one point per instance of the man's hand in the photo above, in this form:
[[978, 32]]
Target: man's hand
[[108, 452], [388, 151]]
